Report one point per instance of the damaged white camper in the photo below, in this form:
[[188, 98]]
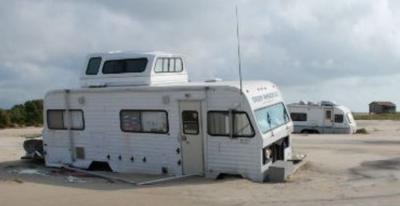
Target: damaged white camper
[[139, 113], [322, 117]]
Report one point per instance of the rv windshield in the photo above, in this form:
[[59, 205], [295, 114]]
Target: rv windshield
[[271, 117]]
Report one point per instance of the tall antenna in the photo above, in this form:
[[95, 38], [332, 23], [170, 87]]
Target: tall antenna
[[238, 50]]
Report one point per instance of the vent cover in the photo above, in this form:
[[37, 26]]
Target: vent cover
[[80, 152]]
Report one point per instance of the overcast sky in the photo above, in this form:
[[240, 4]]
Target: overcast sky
[[343, 50]]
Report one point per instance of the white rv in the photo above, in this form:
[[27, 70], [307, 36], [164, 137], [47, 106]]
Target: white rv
[[139, 113], [323, 117]]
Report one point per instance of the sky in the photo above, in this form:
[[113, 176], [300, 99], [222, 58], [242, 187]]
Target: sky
[[347, 51]]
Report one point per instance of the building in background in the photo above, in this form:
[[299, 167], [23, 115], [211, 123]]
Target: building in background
[[382, 107]]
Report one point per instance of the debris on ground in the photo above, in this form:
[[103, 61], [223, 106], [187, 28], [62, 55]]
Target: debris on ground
[[72, 179], [18, 181], [362, 131], [29, 172], [33, 149]]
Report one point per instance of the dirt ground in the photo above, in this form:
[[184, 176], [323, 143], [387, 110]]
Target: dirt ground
[[359, 169]]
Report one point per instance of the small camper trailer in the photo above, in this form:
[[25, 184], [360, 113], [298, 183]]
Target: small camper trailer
[[139, 113], [323, 117]]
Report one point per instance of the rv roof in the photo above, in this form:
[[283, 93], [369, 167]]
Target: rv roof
[[131, 54], [248, 86], [309, 103]]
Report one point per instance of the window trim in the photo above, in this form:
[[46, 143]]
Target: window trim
[[198, 122], [232, 122], [299, 113], [169, 65], [124, 72], [335, 115], [98, 69], [64, 111], [287, 113], [143, 110]]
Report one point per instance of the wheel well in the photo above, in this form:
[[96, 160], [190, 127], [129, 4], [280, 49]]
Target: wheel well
[[99, 166]]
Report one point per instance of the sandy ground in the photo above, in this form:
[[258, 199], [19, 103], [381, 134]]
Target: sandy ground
[[341, 170]]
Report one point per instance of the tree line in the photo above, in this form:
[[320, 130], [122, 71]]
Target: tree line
[[28, 114]]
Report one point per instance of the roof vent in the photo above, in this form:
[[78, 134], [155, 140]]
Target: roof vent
[[327, 103]]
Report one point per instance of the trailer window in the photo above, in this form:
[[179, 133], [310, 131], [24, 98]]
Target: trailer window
[[190, 122], [339, 118], [144, 121], [350, 117], [57, 119], [328, 114], [298, 117], [124, 66], [167, 65], [178, 65], [219, 124], [271, 117], [93, 66]]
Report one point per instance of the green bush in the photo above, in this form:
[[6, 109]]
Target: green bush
[[5, 120], [34, 113], [28, 114], [18, 114]]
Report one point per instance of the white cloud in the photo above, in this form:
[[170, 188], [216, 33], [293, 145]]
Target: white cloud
[[307, 47]]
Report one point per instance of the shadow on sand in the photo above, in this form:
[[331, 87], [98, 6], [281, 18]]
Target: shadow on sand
[[21, 171]]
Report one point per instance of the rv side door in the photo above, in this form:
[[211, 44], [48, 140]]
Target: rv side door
[[191, 137]]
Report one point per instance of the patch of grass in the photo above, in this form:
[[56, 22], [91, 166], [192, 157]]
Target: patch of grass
[[364, 116], [18, 181]]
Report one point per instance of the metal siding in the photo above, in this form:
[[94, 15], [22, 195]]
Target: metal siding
[[102, 135]]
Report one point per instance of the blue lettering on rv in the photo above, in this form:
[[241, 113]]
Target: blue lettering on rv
[[267, 96]]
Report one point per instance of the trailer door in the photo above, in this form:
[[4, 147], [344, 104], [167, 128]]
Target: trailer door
[[191, 137], [328, 120]]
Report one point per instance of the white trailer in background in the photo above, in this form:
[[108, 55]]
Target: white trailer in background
[[139, 113], [323, 117]]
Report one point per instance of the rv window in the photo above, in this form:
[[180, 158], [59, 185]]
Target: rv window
[[241, 125], [219, 124], [144, 121], [339, 118], [271, 117], [125, 66], [165, 65], [168, 65], [77, 119], [190, 122], [178, 65], [93, 66], [171, 65], [159, 65], [55, 119], [298, 117]]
